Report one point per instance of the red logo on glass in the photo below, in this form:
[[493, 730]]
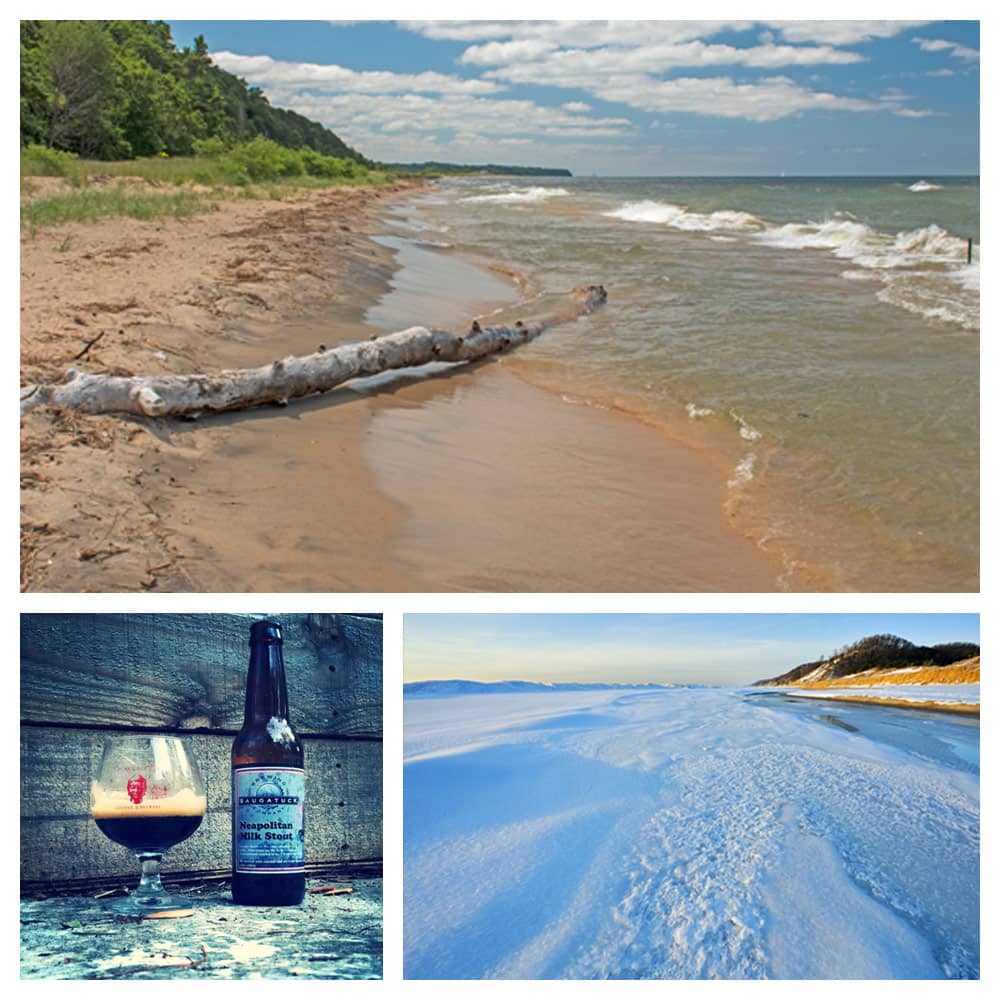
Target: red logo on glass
[[136, 788]]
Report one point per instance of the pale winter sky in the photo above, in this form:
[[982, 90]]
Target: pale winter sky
[[627, 98], [728, 649]]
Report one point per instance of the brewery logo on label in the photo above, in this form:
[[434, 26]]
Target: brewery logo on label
[[269, 791], [136, 788]]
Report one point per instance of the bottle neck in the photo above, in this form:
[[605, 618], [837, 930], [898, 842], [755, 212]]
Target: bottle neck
[[266, 695]]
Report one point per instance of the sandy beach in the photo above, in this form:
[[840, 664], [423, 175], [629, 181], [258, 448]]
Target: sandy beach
[[469, 480]]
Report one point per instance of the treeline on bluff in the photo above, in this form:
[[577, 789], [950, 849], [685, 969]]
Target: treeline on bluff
[[117, 90], [879, 652]]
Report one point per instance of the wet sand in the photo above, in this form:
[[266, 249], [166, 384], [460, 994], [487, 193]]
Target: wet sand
[[469, 479], [509, 488]]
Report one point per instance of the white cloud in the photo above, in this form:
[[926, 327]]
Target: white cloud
[[626, 61], [409, 116], [581, 34], [556, 66], [721, 69], [764, 100], [942, 45], [273, 73], [841, 32], [450, 113], [594, 34]]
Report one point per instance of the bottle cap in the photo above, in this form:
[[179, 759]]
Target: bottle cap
[[265, 632]]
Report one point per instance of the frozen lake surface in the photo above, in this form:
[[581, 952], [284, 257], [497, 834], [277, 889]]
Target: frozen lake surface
[[687, 833]]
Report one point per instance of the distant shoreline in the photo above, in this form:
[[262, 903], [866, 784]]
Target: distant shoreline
[[951, 708]]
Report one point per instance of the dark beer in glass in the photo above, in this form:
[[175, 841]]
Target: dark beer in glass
[[147, 795]]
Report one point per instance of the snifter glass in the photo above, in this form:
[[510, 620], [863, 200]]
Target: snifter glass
[[147, 795]]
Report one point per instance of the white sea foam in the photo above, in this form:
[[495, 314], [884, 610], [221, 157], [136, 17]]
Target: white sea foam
[[865, 246], [743, 472], [678, 217], [931, 302], [968, 276], [924, 186], [919, 267], [514, 196], [929, 247], [930, 241], [844, 237], [747, 432], [694, 411]]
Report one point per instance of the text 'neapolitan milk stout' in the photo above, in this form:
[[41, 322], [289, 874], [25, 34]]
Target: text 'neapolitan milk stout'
[[268, 785]]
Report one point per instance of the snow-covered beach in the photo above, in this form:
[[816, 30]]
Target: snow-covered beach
[[687, 833]]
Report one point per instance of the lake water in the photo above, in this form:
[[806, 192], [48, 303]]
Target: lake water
[[821, 333], [951, 740]]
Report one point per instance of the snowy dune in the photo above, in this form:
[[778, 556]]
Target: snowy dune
[[686, 833]]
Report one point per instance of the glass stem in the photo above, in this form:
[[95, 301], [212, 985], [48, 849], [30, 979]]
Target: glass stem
[[149, 884]]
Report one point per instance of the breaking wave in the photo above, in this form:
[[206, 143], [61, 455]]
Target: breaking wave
[[865, 246], [924, 186], [679, 217], [515, 196], [924, 270]]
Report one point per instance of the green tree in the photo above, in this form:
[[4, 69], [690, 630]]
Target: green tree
[[77, 58], [115, 89], [35, 89]]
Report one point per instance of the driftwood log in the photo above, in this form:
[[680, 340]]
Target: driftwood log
[[294, 377]]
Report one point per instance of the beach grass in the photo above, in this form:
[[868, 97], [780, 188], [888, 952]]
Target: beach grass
[[175, 187], [90, 203]]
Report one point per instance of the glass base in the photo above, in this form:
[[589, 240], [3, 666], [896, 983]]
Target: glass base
[[139, 905]]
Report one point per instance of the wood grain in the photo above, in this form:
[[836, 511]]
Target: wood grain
[[175, 672]]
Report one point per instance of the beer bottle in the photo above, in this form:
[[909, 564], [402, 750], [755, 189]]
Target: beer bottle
[[268, 784]]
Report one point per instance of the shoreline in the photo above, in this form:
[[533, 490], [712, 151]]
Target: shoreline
[[422, 484], [949, 708], [803, 485]]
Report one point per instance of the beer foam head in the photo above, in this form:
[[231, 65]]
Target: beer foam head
[[122, 804]]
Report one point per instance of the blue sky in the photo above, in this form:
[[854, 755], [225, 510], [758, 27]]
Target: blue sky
[[627, 97], [681, 648]]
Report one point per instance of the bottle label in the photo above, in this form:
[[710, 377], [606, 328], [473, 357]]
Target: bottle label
[[269, 820]]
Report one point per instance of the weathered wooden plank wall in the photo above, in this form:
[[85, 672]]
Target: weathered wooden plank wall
[[86, 676]]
